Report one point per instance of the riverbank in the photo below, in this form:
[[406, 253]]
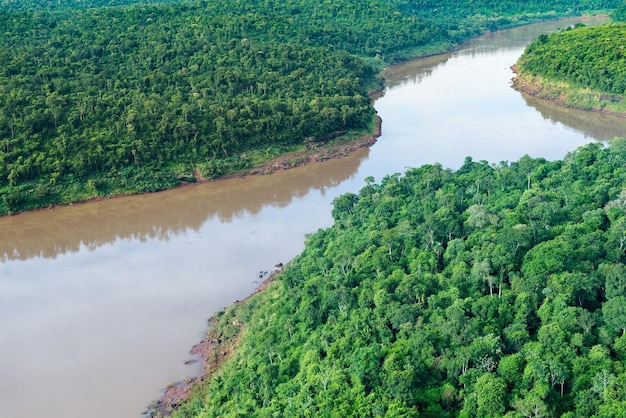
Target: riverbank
[[224, 329], [311, 152], [564, 94], [220, 350], [219, 343]]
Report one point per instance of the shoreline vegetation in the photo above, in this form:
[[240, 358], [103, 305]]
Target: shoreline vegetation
[[485, 291], [580, 67], [315, 151], [202, 90], [218, 345], [226, 327], [566, 95]]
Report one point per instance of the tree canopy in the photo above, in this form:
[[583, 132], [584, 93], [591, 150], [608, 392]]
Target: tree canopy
[[493, 290], [581, 67], [102, 97], [590, 57], [619, 14]]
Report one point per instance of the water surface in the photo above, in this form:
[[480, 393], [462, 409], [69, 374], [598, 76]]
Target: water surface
[[100, 302]]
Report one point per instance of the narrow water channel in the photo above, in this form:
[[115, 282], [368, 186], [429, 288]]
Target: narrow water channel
[[101, 302]]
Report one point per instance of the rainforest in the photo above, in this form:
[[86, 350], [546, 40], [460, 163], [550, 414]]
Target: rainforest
[[489, 291], [497, 289], [581, 67], [101, 98]]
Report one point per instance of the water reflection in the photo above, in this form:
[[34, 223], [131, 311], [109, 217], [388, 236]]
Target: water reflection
[[414, 71], [48, 233], [519, 37], [593, 125], [99, 303]]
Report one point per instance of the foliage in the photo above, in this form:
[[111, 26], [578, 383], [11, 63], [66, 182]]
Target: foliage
[[619, 14], [49, 5], [494, 290], [581, 67], [584, 57], [94, 87]]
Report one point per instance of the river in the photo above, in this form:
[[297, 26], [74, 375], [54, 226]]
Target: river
[[101, 302]]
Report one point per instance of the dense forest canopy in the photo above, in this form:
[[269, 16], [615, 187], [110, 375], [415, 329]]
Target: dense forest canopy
[[461, 8], [49, 5], [99, 97], [588, 57], [493, 290], [619, 14]]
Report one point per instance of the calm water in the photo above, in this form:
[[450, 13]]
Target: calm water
[[100, 303]]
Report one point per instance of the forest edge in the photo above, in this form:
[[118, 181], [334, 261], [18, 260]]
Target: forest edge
[[559, 92], [214, 349], [315, 151]]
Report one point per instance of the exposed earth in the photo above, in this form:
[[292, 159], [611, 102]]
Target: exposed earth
[[559, 92], [315, 152], [213, 350]]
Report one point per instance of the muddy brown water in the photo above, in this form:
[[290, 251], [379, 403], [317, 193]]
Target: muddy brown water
[[101, 302]]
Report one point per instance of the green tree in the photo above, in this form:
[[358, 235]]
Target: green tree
[[614, 313], [490, 396]]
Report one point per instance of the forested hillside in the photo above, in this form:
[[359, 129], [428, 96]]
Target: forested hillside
[[98, 100], [49, 5], [493, 290], [582, 67], [619, 14], [585, 56]]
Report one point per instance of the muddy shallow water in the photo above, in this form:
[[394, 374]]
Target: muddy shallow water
[[101, 302]]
